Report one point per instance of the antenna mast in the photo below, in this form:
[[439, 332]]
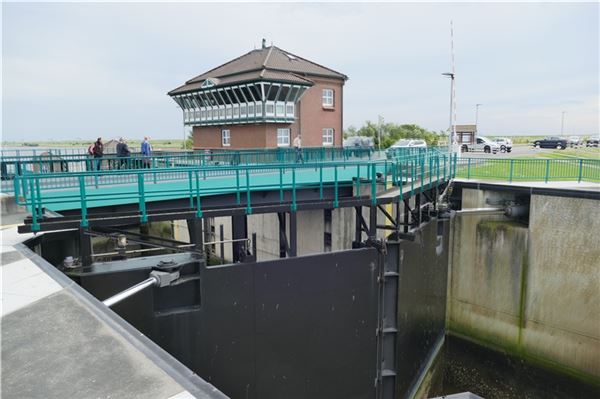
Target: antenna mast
[[453, 143]]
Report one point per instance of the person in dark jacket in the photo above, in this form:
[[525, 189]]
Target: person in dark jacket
[[123, 153], [98, 152]]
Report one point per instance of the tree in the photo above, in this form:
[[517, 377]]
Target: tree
[[351, 131], [391, 132]]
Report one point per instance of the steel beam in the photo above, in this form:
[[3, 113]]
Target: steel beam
[[85, 247], [239, 230], [283, 244], [293, 234]]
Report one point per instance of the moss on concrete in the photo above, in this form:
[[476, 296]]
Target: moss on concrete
[[511, 349]]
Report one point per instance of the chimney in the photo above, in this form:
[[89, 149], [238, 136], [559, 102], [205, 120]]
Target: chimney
[[264, 43]]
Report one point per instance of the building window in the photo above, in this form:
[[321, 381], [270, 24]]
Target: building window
[[327, 136], [243, 111], [258, 109], [225, 137], [289, 110], [250, 110], [279, 110], [327, 97], [236, 111], [283, 137], [228, 113]]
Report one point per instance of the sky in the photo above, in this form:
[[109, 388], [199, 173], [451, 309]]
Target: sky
[[79, 71]]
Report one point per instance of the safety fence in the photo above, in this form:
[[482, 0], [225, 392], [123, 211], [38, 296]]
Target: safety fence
[[547, 170], [52, 164], [11, 166], [84, 190]]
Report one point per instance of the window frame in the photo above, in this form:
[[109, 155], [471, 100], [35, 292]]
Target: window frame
[[324, 97], [327, 132], [224, 136], [283, 144]]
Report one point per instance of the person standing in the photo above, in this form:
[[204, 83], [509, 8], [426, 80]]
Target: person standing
[[146, 151], [298, 146], [98, 153], [123, 153]]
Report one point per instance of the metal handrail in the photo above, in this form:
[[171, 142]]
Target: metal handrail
[[33, 190], [547, 170]]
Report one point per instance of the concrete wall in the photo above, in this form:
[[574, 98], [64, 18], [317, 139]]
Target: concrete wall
[[530, 290], [310, 238]]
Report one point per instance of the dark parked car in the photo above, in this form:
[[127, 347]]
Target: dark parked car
[[551, 142], [593, 142]]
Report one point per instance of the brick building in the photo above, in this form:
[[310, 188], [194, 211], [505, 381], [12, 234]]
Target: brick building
[[264, 98]]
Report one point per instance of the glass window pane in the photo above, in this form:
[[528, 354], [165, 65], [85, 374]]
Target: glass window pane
[[280, 110]]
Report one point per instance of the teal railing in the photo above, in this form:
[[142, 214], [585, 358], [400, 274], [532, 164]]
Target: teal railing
[[11, 166], [513, 170], [85, 190]]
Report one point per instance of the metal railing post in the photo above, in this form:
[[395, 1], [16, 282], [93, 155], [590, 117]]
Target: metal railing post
[[248, 206], [547, 171], [294, 189], [373, 184], [34, 217], [469, 168], [321, 182], [191, 189], [335, 187], [198, 204], [237, 185], [84, 220], [580, 171], [142, 197]]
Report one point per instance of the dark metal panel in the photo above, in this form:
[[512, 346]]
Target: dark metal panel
[[315, 326], [224, 330], [421, 300]]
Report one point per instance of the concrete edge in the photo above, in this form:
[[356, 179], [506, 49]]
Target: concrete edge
[[190, 381], [433, 355], [550, 191]]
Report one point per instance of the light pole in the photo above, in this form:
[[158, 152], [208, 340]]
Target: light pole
[[452, 129], [477, 114], [380, 122], [562, 123]]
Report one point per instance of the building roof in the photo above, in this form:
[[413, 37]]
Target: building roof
[[268, 63], [466, 128]]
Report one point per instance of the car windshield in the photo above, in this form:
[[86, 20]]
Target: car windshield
[[402, 143]]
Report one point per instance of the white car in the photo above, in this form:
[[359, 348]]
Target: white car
[[481, 144], [574, 140], [504, 143], [409, 143]]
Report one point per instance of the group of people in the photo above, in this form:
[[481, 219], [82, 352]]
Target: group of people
[[123, 153]]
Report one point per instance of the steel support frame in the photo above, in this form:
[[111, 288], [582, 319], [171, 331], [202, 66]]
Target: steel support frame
[[288, 248], [85, 245], [239, 230], [387, 326]]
